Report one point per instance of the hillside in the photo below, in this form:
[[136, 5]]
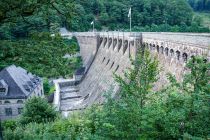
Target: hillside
[[147, 15], [41, 54], [19, 19], [205, 18]]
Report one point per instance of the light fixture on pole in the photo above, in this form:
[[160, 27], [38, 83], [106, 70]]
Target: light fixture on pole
[[129, 16], [92, 23]]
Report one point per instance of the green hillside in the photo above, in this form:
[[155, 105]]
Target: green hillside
[[204, 18], [19, 19]]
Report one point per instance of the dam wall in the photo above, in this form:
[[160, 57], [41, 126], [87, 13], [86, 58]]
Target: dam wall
[[106, 53]]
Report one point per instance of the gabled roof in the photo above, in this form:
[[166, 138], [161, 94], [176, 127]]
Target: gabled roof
[[17, 80]]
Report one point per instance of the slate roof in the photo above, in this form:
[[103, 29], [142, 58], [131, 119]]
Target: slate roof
[[20, 83]]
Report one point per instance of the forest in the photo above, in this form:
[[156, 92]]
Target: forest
[[19, 18]]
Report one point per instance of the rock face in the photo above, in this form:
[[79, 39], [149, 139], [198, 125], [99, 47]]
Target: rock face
[[106, 53]]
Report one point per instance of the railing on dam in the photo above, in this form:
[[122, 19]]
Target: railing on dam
[[195, 39]]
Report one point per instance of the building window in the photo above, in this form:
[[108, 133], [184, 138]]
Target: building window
[[8, 111], [2, 90], [19, 101], [20, 110], [7, 102]]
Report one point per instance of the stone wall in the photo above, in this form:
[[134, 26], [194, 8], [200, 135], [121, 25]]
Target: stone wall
[[14, 104], [173, 50]]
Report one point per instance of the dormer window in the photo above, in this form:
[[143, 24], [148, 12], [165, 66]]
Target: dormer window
[[27, 88], [2, 90], [3, 87]]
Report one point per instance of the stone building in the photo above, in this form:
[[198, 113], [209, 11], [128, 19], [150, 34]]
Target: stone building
[[16, 86]]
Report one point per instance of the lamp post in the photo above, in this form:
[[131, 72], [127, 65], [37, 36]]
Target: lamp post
[[129, 16], [92, 23]]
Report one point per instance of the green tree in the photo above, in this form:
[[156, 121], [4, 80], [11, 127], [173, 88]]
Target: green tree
[[196, 84], [37, 110], [22, 17], [184, 106], [126, 117]]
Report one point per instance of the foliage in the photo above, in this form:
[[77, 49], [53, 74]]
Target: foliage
[[41, 54], [195, 27], [48, 89], [112, 15], [19, 18], [145, 12], [46, 86], [9, 124], [37, 110], [126, 118], [180, 111], [203, 18], [75, 127]]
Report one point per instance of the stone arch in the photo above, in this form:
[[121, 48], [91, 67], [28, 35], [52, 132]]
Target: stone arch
[[178, 55], [101, 40], [171, 52], [161, 50], [110, 42], [158, 48], [146, 46], [184, 57], [150, 46], [119, 45], [153, 47], [192, 57], [114, 43], [7, 102], [105, 41], [19, 101], [132, 43], [125, 46], [166, 51]]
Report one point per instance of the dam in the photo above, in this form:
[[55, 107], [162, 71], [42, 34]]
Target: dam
[[106, 53]]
